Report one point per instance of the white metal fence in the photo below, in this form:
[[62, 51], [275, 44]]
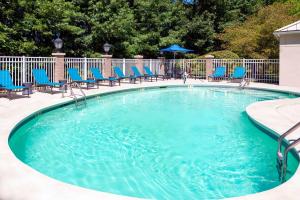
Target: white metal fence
[[155, 65], [196, 68], [258, 70], [83, 65], [20, 68], [124, 64]]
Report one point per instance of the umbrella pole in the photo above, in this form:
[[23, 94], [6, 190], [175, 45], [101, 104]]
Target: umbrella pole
[[174, 66]]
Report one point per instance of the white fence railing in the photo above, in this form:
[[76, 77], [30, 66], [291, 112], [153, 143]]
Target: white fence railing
[[124, 64], [196, 68], [21, 67], [155, 65], [83, 65], [258, 70]]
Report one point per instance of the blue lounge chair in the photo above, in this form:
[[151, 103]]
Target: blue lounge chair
[[238, 73], [220, 72], [136, 73], [42, 80], [6, 83], [149, 73], [76, 78], [121, 75], [99, 77]]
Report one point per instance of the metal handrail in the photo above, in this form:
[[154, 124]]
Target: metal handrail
[[243, 83], [283, 157], [74, 95], [286, 151], [281, 138]]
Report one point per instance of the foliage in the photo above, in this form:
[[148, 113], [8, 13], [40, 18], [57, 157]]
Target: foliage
[[295, 10], [158, 24], [223, 54], [254, 38], [27, 27], [191, 56]]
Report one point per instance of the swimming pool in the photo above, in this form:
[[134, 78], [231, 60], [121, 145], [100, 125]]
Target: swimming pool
[[172, 143]]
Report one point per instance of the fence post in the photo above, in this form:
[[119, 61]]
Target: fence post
[[244, 65], [162, 65], [23, 69], [85, 68], [59, 70], [139, 62], [124, 65], [107, 65], [209, 65], [150, 64]]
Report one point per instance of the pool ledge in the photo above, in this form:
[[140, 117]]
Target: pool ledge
[[19, 181], [277, 116]]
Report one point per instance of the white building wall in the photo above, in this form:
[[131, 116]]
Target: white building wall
[[289, 72]]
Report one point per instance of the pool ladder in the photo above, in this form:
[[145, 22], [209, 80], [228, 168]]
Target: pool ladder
[[243, 83], [282, 156], [74, 95]]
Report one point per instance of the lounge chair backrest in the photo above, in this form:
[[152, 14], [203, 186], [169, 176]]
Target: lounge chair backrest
[[220, 71], [239, 72], [148, 71], [74, 74], [40, 76], [119, 72], [135, 71], [96, 73], [5, 79]]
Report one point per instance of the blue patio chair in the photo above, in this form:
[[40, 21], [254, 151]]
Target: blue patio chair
[[238, 73], [99, 77], [42, 80], [121, 75], [6, 83], [136, 73], [150, 74], [76, 78], [220, 72]]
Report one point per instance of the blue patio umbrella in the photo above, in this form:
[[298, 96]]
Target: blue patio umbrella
[[176, 48]]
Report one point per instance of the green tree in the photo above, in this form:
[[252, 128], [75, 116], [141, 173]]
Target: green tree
[[254, 38], [33, 25], [27, 27], [159, 23], [113, 22]]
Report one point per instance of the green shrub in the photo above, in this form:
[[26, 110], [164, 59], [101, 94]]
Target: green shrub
[[191, 55], [224, 54]]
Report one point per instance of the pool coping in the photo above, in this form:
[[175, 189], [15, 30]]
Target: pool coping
[[26, 183]]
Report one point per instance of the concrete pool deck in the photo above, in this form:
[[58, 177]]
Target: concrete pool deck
[[19, 181]]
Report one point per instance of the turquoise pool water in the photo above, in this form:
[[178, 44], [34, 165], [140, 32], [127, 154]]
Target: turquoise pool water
[[173, 143]]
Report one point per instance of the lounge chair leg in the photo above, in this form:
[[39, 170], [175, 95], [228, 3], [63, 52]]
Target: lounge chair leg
[[9, 94]]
